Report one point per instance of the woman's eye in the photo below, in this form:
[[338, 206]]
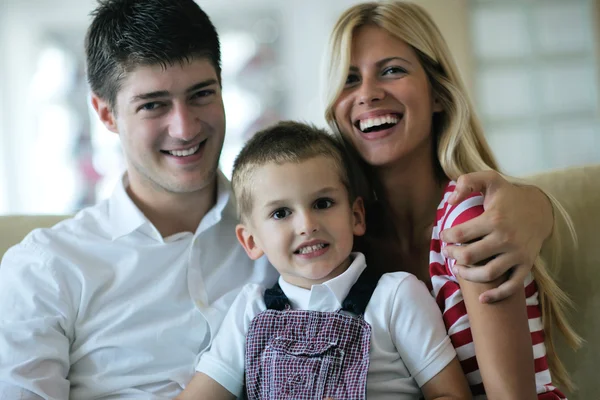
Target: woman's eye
[[281, 213], [351, 79], [394, 70], [323, 203]]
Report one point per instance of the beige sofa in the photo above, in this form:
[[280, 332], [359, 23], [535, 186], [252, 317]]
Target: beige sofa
[[578, 189]]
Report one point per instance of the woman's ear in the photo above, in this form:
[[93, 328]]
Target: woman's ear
[[246, 239], [437, 104], [358, 212]]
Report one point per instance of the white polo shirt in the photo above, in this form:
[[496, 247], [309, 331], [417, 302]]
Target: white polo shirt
[[101, 306], [409, 344]]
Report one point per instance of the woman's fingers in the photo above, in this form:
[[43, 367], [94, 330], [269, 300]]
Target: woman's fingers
[[492, 269], [482, 181], [468, 231], [477, 252], [508, 288]]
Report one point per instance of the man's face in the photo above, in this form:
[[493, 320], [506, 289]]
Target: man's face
[[172, 124]]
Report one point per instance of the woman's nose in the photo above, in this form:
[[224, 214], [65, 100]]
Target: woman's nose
[[369, 92]]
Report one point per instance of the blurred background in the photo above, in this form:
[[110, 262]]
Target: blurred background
[[531, 66]]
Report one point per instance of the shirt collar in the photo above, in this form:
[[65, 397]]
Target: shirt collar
[[125, 217], [329, 295]]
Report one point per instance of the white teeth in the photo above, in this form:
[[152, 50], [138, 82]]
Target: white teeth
[[183, 153], [311, 249], [377, 121]]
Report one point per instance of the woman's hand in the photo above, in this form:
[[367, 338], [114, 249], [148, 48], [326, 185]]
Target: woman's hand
[[506, 238]]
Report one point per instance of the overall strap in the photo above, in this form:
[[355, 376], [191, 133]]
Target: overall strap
[[275, 299], [360, 293], [356, 301]]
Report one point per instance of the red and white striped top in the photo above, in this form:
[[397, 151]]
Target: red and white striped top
[[448, 295]]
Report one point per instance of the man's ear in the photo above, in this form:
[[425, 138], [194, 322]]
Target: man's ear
[[105, 113], [358, 213], [246, 239]]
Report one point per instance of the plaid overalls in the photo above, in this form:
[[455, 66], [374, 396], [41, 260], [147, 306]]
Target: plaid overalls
[[301, 355]]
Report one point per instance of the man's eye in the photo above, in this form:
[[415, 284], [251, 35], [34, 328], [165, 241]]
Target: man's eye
[[150, 106], [203, 93], [281, 213], [323, 203]]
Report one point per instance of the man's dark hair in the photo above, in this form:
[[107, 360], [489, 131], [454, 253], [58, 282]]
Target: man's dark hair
[[125, 34]]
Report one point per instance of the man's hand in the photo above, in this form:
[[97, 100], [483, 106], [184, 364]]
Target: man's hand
[[505, 239]]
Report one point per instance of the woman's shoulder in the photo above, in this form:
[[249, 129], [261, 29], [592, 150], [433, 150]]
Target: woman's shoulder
[[450, 215]]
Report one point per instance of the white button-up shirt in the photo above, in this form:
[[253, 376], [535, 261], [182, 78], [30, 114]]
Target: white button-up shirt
[[101, 306], [409, 344]]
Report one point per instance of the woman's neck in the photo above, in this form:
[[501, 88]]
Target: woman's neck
[[412, 191]]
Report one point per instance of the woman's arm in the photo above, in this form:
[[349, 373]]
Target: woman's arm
[[502, 342], [508, 236], [500, 331], [449, 384], [203, 387]]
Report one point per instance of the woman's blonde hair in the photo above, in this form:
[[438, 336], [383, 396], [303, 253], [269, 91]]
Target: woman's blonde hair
[[460, 144]]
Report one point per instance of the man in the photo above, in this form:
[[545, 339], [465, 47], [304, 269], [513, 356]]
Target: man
[[119, 301]]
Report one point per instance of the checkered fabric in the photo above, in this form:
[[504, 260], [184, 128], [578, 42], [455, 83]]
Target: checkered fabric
[[301, 355]]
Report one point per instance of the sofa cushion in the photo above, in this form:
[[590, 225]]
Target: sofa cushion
[[578, 190]]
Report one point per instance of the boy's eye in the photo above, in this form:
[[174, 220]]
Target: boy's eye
[[281, 213], [323, 203]]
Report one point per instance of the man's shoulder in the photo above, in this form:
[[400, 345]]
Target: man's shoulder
[[89, 222]]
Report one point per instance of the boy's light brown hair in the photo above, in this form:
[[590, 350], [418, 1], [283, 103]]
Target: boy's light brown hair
[[284, 142]]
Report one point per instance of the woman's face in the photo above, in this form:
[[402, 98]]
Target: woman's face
[[386, 106]]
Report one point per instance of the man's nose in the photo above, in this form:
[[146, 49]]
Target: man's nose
[[184, 124]]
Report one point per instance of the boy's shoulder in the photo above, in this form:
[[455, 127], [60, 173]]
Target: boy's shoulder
[[397, 276], [395, 285]]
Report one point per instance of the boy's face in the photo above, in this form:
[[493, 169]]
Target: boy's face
[[171, 122], [302, 220]]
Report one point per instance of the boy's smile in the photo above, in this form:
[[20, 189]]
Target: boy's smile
[[302, 220]]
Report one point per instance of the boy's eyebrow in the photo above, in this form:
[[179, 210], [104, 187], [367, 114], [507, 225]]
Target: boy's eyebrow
[[326, 190], [165, 93], [320, 192]]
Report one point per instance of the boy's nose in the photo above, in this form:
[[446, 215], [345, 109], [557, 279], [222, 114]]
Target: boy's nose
[[308, 224]]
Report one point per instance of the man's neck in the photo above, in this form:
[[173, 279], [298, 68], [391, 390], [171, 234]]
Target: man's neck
[[172, 213]]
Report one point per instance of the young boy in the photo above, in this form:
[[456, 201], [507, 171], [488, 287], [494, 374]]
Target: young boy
[[330, 328]]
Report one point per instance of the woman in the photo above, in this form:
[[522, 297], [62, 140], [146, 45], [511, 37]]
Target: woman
[[395, 97]]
